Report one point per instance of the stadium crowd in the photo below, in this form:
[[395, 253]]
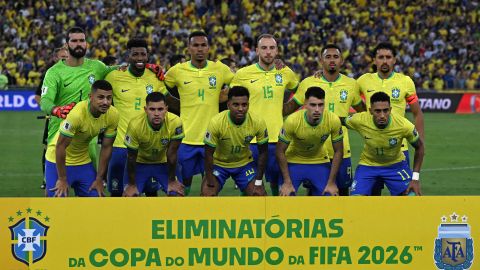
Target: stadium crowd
[[437, 41]]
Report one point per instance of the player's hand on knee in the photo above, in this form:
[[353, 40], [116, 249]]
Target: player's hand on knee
[[332, 189], [157, 69], [177, 187], [287, 189], [131, 191], [98, 186], [61, 188], [209, 188], [62, 111], [414, 186]]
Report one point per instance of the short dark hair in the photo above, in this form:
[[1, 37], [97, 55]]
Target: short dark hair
[[315, 91], [176, 58], [379, 97], [238, 91], [227, 61], [384, 46], [109, 60], [330, 46], [266, 36], [101, 84], [137, 43], [155, 97], [74, 30], [197, 34]]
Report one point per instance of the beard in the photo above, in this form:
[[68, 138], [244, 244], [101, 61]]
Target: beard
[[77, 52]]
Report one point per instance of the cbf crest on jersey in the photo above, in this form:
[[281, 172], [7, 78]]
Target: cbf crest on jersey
[[29, 235], [393, 141], [91, 78], [278, 79], [395, 93], [343, 95], [212, 80], [454, 244], [149, 89]]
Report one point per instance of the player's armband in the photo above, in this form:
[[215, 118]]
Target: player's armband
[[412, 99]]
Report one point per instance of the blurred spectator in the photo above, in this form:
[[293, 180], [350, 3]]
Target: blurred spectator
[[431, 36]]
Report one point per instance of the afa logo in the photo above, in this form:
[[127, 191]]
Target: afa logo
[[454, 245], [29, 236], [395, 93], [212, 80], [278, 78]]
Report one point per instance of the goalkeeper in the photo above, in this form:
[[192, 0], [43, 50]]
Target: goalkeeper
[[67, 83]]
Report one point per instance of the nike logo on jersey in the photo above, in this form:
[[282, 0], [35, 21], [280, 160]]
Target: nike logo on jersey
[[224, 139], [368, 91], [125, 90], [252, 81], [66, 84], [367, 138], [187, 82]]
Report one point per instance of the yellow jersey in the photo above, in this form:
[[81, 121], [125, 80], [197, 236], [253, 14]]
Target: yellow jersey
[[340, 95], [382, 146], [306, 142], [199, 90], [232, 141], [152, 144], [129, 93], [399, 87], [82, 127], [267, 88]]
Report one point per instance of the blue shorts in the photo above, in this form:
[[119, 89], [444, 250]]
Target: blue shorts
[[191, 160], [379, 185], [116, 167], [396, 177], [80, 178], [316, 174], [344, 175], [149, 177], [241, 175], [272, 171]]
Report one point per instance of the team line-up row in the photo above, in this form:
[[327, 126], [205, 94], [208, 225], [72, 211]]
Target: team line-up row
[[145, 147]]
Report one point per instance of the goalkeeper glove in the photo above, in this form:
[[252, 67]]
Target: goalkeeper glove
[[62, 111], [157, 69]]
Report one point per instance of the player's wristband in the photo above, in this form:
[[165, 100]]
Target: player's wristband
[[258, 182], [416, 176]]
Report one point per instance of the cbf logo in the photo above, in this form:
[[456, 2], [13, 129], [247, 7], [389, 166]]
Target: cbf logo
[[343, 95], [149, 89], [454, 245], [393, 141], [395, 93], [29, 236], [91, 78], [278, 78], [212, 80]]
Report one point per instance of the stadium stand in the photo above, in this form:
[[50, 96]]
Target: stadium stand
[[437, 41]]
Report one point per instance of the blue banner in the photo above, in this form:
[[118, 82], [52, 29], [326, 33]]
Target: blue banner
[[18, 101]]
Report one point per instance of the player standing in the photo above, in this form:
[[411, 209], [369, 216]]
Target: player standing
[[267, 87], [130, 89], [341, 93], [399, 87], [199, 83]]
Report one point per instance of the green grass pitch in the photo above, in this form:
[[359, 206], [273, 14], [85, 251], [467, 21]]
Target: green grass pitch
[[451, 165]]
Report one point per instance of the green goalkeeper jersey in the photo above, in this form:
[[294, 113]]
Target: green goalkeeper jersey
[[65, 84]]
